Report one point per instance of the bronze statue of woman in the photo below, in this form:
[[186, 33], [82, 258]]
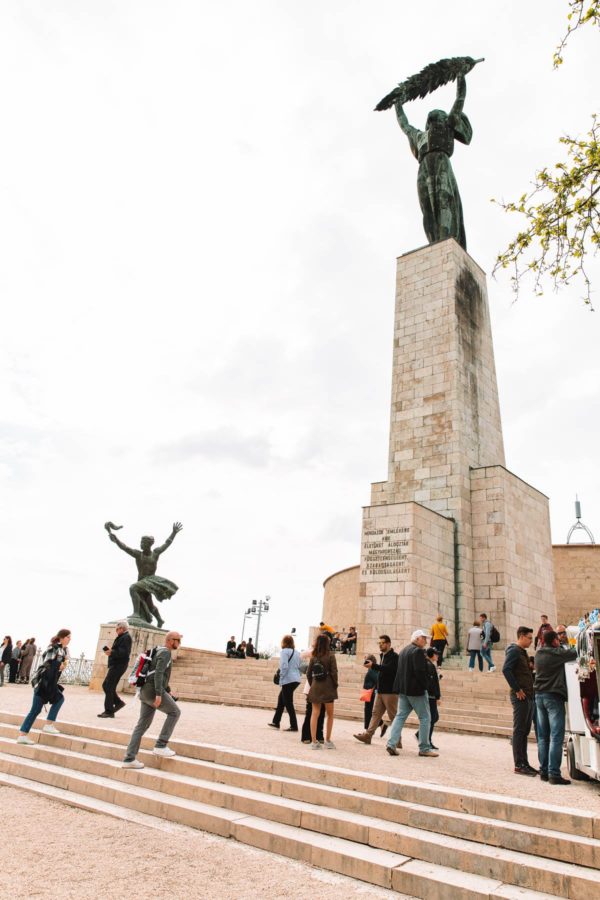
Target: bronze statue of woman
[[436, 184]]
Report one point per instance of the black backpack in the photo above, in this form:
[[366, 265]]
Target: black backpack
[[146, 668], [319, 672], [494, 635]]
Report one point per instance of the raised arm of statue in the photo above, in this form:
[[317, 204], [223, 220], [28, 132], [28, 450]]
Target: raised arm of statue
[[409, 130], [122, 546], [177, 526], [461, 93], [401, 116]]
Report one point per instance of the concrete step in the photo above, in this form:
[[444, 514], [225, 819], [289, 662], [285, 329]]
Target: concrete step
[[334, 854], [219, 808], [246, 790]]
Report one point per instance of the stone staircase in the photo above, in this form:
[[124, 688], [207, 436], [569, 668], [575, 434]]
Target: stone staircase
[[420, 839], [475, 703]]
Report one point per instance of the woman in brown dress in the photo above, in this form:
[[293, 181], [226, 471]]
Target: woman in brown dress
[[28, 652], [322, 675]]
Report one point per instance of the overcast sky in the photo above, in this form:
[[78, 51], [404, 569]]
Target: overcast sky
[[200, 214]]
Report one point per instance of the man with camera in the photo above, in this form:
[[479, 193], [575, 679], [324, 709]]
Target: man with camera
[[118, 660], [386, 699]]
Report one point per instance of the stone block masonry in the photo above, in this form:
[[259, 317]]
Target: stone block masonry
[[444, 426], [513, 571]]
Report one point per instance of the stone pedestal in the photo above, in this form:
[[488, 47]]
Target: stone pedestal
[[419, 553], [142, 638]]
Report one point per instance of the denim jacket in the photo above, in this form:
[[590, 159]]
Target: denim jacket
[[289, 667]]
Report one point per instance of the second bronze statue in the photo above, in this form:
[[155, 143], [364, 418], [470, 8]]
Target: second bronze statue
[[149, 584]]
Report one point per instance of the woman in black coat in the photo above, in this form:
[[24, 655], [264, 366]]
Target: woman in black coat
[[5, 657]]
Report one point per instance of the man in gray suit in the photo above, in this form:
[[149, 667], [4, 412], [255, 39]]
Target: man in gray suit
[[155, 695]]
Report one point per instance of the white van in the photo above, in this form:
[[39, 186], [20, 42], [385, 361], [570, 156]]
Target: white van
[[583, 718]]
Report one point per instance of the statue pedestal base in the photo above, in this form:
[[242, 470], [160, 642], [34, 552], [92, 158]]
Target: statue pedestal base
[[143, 637]]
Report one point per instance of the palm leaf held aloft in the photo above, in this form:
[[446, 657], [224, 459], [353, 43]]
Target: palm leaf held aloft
[[428, 80]]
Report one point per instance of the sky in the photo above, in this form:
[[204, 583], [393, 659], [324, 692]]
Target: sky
[[199, 219]]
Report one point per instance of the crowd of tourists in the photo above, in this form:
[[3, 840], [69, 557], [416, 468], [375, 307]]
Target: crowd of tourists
[[16, 660], [395, 685]]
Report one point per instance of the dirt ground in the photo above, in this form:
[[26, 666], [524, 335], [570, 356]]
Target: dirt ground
[[81, 854]]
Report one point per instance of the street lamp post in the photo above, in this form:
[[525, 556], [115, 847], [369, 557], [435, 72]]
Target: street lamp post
[[257, 609]]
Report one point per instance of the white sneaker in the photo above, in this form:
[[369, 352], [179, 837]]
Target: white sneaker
[[492, 668], [164, 751], [133, 764], [329, 745], [50, 729], [316, 746], [24, 739]]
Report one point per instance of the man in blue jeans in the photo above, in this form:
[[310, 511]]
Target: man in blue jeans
[[550, 696], [486, 641], [411, 687]]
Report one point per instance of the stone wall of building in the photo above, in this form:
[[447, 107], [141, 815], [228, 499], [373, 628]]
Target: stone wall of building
[[445, 415], [340, 598], [406, 572], [512, 551], [577, 578]]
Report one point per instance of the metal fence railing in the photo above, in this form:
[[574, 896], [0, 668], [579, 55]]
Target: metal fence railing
[[78, 670]]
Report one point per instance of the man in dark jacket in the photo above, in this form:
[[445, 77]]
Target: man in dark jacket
[[411, 686], [518, 673], [118, 660], [550, 696], [386, 699]]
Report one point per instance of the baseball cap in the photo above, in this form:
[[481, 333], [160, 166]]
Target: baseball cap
[[418, 633]]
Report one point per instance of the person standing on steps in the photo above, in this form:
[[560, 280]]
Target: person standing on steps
[[386, 699], [439, 638], [289, 679], [486, 641], [519, 676], [155, 694], [46, 688], [322, 675], [474, 646], [411, 686], [118, 660], [550, 697]]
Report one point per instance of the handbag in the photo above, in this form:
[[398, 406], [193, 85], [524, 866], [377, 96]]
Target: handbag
[[366, 695]]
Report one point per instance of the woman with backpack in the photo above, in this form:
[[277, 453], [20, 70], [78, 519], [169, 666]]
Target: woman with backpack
[[322, 675], [289, 679], [46, 688]]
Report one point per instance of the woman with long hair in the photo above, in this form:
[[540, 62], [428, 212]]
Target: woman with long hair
[[46, 688], [322, 676], [289, 679], [5, 656]]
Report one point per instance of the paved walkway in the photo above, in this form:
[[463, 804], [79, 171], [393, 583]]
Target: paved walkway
[[91, 851]]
